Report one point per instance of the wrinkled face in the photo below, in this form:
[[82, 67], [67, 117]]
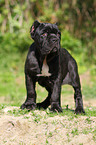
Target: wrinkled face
[[46, 36]]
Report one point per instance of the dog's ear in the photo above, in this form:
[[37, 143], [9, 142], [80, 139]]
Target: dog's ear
[[33, 28]]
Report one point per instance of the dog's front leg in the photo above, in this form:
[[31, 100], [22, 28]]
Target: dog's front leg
[[30, 102], [55, 97]]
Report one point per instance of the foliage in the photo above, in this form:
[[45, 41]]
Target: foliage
[[76, 18]]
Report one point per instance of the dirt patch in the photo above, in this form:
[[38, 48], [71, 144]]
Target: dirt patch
[[40, 129]]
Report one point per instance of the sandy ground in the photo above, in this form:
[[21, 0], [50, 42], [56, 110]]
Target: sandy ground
[[40, 129]]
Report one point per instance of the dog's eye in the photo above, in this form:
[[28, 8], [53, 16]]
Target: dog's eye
[[45, 34]]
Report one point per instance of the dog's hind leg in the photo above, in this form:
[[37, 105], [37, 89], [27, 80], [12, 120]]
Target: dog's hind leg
[[73, 73], [78, 100]]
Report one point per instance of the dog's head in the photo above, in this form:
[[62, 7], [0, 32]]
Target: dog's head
[[46, 36]]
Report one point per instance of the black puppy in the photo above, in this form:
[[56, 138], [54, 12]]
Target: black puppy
[[51, 66]]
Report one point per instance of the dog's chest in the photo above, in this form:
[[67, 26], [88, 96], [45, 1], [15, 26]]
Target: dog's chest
[[45, 69]]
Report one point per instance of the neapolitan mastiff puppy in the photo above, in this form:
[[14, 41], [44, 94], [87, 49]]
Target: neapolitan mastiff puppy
[[51, 66]]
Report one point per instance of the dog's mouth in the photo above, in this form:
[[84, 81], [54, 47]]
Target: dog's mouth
[[46, 50], [55, 49]]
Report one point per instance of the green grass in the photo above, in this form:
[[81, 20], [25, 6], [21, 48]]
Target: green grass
[[12, 88], [89, 91], [66, 112]]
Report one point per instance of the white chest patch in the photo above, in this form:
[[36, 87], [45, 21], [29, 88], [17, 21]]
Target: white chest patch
[[45, 69]]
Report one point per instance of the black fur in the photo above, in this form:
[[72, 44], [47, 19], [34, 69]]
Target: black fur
[[62, 67]]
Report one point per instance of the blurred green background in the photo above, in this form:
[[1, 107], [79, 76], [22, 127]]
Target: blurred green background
[[77, 22]]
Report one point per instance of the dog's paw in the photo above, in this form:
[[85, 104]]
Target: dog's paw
[[79, 110], [28, 105], [55, 107]]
